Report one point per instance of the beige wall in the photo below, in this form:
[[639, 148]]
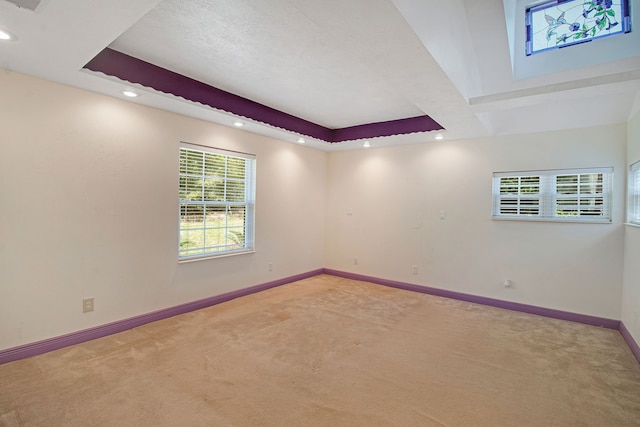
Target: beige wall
[[88, 208], [631, 286], [384, 209]]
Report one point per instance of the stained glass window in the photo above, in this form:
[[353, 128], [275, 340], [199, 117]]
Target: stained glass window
[[559, 23]]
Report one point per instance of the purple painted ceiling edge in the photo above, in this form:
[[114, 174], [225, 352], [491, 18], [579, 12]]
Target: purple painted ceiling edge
[[133, 70], [389, 128]]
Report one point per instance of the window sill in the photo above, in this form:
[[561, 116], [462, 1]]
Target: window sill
[[631, 224], [214, 256], [562, 221]]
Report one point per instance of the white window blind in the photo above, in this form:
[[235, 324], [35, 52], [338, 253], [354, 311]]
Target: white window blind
[[560, 195], [634, 194], [217, 201]]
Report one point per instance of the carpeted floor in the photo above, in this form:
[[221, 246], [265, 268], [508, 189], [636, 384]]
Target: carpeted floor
[[327, 351]]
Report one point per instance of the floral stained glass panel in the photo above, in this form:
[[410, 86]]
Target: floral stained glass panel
[[560, 23]]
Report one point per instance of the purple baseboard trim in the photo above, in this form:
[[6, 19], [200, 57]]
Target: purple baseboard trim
[[515, 306], [47, 345], [44, 346], [134, 70], [633, 345]]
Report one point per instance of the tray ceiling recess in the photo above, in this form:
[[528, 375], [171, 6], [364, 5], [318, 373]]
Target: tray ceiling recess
[[133, 70], [26, 4]]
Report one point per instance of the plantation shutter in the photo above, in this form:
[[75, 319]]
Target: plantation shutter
[[516, 194], [583, 193], [563, 194]]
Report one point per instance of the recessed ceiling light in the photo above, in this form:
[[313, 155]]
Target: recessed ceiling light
[[6, 35], [129, 93], [301, 141], [238, 124], [366, 144], [439, 136]]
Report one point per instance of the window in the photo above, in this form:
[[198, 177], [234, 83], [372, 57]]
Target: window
[[560, 195], [561, 23], [634, 194], [217, 193]]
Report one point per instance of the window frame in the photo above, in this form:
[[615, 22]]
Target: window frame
[[577, 35], [633, 211], [247, 244], [549, 199]]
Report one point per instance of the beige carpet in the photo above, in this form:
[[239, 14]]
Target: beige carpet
[[328, 351]]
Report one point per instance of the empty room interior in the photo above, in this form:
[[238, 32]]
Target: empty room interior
[[293, 212]]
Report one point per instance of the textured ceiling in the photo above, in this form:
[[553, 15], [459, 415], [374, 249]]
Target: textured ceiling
[[310, 59], [336, 63]]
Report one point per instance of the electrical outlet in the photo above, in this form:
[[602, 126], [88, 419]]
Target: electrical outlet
[[87, 305], [355, 261], [414, 269], [270, 266]]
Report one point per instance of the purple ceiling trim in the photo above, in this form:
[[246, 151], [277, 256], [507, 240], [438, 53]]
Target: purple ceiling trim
[[133, 70], [392, 127]]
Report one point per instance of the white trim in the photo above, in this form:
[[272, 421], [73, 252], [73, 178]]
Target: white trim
[[186, 260], [214, 150], [558, 220], [633, 195], [549, 172]]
